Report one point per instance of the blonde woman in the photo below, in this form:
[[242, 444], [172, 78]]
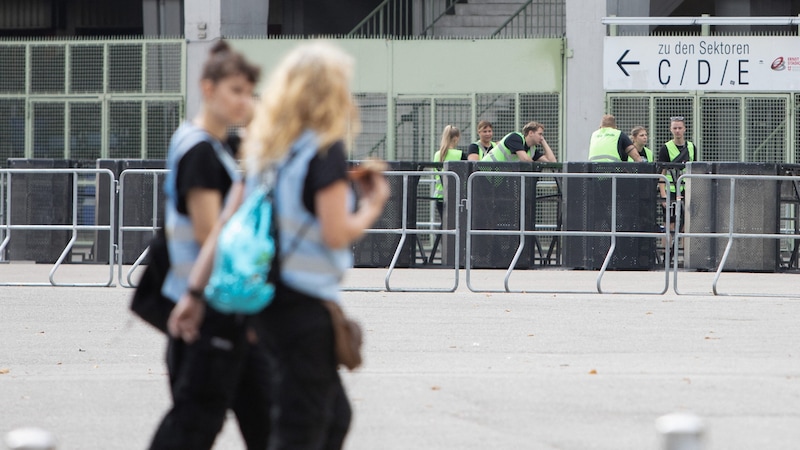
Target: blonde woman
[[306, 113], [447, 152]]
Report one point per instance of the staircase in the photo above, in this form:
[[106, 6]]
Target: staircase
[[464, 18], [476, 18]]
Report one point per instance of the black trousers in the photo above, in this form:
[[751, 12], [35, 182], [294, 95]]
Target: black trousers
[[220, 371], [311, 410]]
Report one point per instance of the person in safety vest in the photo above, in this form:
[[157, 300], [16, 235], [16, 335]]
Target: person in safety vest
[[516, 146], [609, 144], [676, 150], [639, 138], [478, 149], [447, 152]]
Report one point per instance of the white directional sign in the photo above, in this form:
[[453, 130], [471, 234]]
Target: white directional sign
[[701, 63]]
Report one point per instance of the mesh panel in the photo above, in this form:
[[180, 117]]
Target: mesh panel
[[766, 129], [12, 70], [542, 108], [47, 69], [371, 142], [413, 130], [85, 130], [48, 130], [667, 107], [720, 128], [12, 129], [125, 137], [125, 68], [86, 68], [163, 118], [796, 126], [164, 68], [456, 112], [631, 112], [499, 110]]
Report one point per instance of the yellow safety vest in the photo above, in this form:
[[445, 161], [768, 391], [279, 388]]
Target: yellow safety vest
[[501, 153], [481, 151], [674, 151], [603, 145], [452, 155]]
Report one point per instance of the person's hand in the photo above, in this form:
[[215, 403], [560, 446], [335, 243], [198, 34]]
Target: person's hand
[[185, 319], [374, 189]]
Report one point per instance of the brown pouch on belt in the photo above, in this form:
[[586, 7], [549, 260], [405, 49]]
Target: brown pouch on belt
[[347, 337]]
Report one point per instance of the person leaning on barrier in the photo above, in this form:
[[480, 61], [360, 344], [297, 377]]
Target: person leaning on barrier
[[676, 150], [609, 144], [478, 149], [639, 138], [447, 152], [516, 146]]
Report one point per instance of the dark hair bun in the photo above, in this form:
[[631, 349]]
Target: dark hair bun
[[220, 47]]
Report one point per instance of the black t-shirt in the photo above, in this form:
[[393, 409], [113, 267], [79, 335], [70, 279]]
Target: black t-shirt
[[622, 145], [200, 168], [683, 156], [324, 169], [515, 143], [474, 149]]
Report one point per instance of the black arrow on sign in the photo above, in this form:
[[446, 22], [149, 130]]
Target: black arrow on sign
[[621, 63]]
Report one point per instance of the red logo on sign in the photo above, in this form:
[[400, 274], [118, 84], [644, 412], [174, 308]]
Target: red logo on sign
[[778, 64]]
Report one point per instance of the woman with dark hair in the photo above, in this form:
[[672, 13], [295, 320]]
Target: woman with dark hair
[[306, 115], [222, 366]]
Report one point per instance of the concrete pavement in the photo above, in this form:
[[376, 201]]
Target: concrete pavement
[[457, 370]]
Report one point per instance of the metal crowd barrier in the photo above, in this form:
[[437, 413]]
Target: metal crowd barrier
[[126, 279], [522, 233], [731, 234], [404, 231], [74, 227]]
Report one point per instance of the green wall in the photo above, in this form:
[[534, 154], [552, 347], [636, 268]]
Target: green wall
[[436, 66]]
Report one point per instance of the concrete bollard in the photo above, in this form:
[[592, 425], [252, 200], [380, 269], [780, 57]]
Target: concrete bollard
[[30, 438], [681, 431]]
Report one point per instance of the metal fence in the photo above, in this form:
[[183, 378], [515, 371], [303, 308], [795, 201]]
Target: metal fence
[[411, 231], [737, 227], [90, 99], [522, 230], [68, 230], [419, 120], [725, 127]]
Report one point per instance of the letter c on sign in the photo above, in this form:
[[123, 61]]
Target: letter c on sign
[[660, 78]]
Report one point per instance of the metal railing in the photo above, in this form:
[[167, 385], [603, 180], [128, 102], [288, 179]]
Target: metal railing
[[126, 280], [521, 232], [433, 12], [705, 22], [74, 227], [395, 18], [535, 18], [730, 235], [405, 232], [389, 18]]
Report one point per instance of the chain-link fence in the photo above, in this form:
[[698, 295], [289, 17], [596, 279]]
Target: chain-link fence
[[84, 100]]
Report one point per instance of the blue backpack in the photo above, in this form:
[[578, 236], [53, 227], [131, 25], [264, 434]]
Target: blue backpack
[[245, 253]]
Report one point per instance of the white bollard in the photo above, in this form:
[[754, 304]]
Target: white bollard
[[681, 431], [30, 438]]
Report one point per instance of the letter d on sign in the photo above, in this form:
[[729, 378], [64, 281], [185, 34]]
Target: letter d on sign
[[700, 64]]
